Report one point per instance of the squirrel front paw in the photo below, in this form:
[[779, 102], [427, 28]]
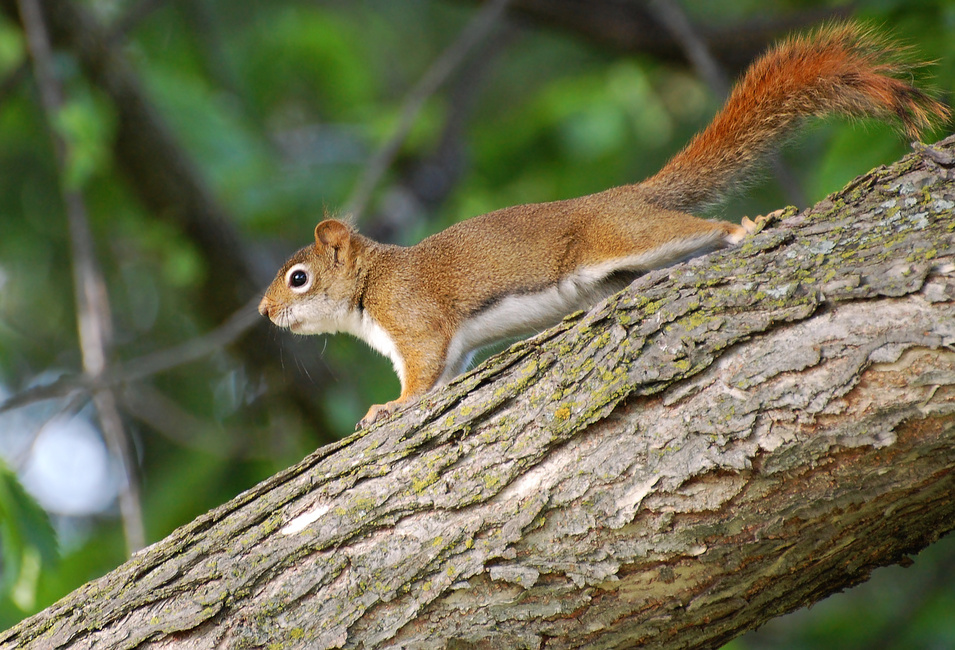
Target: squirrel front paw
[[378, 412]]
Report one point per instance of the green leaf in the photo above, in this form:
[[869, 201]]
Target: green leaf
[[27, 540], [87, 128], [12, 50]]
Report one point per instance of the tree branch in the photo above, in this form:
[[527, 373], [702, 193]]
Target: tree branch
[[725, 441], [671, 15], [92, 304], [144, 366], [476, 31], [632, 27], [167, 183], [425, 182]]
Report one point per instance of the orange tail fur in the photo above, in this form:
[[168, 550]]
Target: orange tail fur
[[843, 68]]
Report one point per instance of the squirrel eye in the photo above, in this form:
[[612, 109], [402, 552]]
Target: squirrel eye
[[298, 278]]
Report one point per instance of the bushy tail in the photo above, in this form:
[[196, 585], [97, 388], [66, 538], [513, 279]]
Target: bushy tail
[[843, 68]]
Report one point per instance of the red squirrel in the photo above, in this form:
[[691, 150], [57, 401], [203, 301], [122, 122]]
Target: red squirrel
[[511, 272]]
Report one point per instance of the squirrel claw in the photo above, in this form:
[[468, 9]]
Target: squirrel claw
[[375, 413]]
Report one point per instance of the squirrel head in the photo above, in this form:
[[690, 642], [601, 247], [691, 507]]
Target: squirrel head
[[314, 291]]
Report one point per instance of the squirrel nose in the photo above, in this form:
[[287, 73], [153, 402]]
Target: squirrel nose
[[264, 306]]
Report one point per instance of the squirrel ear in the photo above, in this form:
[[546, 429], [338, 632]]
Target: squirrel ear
[[331, 233]]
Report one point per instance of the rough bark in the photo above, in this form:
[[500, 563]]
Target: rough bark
[[725, 441]]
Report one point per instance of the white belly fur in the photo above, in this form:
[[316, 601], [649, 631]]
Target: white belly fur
[[527, 313]]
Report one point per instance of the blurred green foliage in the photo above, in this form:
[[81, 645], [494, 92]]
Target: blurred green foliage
[[27, 542], [279, 104]]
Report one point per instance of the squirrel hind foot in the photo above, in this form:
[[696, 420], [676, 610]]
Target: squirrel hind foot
[[749, 226]]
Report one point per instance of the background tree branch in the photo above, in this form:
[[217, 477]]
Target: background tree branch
[[451, 59], [724, 441], [634, 27], [167, 182], [94, 318]]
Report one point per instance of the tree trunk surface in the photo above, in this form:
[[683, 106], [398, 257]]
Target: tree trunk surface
[[725, 441]]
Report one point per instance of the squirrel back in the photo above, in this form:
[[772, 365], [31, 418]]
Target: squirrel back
[[843, 69]]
